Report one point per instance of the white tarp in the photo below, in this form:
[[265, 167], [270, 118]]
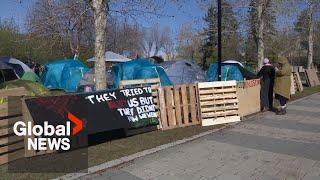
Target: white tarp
[[112, 57]]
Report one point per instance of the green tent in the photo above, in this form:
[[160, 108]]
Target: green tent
[[30, 76], [33, 88]]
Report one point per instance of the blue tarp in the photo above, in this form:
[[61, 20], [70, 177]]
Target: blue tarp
[[63, 74], [138, 69], [228, 72]]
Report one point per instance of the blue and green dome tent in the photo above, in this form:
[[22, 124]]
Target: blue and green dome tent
[[63, 74], [229, 71], [138, 69]]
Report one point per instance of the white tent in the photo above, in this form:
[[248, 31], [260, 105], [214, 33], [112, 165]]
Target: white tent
[[19, 67], [112, 57], [233, 62]]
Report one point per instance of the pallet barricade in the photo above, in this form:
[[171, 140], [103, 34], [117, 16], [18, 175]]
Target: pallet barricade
[[248, 93], [218, 102], [11, 146], [292, 87], [297, 82], [178, 106]]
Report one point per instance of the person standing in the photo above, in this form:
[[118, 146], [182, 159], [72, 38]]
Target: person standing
[[267, 75], [282, 84]]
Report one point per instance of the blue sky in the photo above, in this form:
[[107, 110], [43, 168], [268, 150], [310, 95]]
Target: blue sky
[[189, 12], [16, 9]]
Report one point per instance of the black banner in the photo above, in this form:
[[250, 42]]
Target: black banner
[[100, 111]]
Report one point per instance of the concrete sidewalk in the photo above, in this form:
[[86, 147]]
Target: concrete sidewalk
[[265, 147]]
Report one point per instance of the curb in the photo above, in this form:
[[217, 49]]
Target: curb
[[131, 157]]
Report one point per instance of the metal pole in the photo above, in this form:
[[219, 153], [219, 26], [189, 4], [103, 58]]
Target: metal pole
[[219, 40]]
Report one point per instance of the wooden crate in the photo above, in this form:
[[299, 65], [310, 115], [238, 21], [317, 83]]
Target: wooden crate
[[11, 146], [178, 106], [218, 102], [251, 89], [297, 82], [312, 77]]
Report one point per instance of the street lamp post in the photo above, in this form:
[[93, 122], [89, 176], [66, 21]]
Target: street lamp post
[[219, 40]]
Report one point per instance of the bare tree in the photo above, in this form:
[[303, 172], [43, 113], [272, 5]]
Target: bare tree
[[169, 45], [310, 32], [64, 21], [100, 19], [154, 39], [189, 43]]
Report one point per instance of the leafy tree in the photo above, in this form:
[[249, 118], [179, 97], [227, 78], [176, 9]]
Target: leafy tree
[[262, 21], [230, 35]]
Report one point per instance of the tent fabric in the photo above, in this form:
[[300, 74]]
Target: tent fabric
[[4, 65], [19, 67], [30, 76], [233, 62], [138, 69], [229, 71], [89, 80], [63, 74], [7, 73], [112, 57], [183, 72], [33, 88]]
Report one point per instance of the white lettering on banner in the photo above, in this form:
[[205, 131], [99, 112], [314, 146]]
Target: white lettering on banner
[[147, 89], [146, 100], [139, 107], [133, 102], [144, 109], [131, 92], [109, 96], [126, 111]]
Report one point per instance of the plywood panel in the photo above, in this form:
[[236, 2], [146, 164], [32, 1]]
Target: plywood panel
[[247, 105]]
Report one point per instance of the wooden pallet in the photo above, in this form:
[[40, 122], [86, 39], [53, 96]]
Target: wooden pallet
[[218, 102], [178, 106], [154, 83], [312, 77], [11, 146], [292, 88], [297, 82]]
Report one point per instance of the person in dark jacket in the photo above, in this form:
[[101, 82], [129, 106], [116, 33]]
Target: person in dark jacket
[[267, 75]]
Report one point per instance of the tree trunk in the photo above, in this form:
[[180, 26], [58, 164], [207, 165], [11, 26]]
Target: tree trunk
[[260, 36], [100, 20], [310, 36]]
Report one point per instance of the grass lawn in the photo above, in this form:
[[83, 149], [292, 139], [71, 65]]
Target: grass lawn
[[110, 150], [115, 149]]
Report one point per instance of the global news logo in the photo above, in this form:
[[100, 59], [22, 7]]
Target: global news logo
[[47, 136]]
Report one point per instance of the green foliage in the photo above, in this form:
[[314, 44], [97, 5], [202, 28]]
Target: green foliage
[[230, 36], [251, 46]]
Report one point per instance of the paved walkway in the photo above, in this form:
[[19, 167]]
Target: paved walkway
[[265, 147]]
